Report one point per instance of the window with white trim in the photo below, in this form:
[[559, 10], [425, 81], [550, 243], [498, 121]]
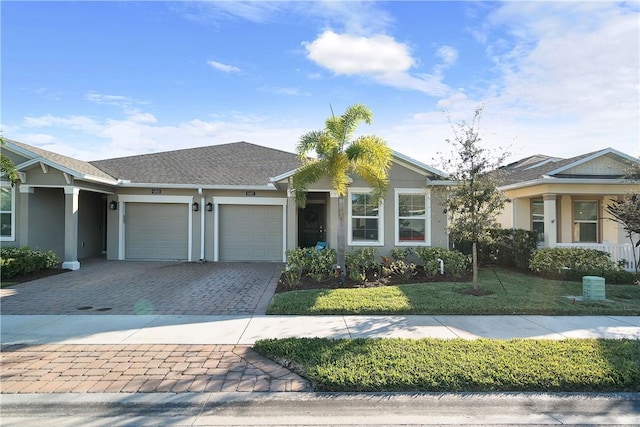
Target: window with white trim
[[7, 213], [412, 207], [365, 219], [537, 218], [585, 221]]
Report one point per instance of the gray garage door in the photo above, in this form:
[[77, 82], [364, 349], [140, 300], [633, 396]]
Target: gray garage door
[[157, 231], [250, 233]]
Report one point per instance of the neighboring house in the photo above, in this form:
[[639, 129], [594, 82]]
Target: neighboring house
[[563, 200], [228, 202]]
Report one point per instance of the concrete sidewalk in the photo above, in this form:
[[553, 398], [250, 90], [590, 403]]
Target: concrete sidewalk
[[245, 330]]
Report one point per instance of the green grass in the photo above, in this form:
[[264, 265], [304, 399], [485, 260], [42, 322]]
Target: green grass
[[513, 293], [6, 284], [584, 365]]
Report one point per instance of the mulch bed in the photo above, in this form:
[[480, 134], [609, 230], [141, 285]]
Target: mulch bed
[[34, 276]]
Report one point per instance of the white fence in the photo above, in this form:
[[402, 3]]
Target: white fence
[[619, 252]]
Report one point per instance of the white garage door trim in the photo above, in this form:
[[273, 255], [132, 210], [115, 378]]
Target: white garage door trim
[[122, 201], [268, 201]]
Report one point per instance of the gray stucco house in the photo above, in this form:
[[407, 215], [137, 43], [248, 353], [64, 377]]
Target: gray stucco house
[[229, 202]]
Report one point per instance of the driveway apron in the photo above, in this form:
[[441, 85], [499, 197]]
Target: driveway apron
[[126, 287]]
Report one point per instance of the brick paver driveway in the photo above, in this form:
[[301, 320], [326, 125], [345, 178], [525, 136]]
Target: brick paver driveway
[[126, 287]]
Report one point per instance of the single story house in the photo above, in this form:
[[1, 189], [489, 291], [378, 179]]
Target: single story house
[[564, 200], [230, 202]]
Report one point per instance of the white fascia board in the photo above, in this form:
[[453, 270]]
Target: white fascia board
[[125, 184], [444, 182], [553, 180], [419, 165], [283, 176], [594, 156], [98, 179], [19, 150], [28, 163]]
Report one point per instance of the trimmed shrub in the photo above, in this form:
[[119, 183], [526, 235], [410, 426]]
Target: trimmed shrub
[[504, 247], [456, 263], [398, 264], [571, 263], [318, 264], [24, 261], [360, 261]]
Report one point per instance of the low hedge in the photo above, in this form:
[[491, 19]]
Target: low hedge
[[574, 263], [482, 365], [456, 264], [22, 261]]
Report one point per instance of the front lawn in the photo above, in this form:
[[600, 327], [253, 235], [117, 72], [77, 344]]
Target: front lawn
[[432, 365], [511, 293]]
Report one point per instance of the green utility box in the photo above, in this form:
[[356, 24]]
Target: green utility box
[[593, 288]]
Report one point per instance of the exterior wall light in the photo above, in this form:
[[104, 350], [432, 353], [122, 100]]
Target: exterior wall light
[[113, 205], [195, 207], [209, 207]]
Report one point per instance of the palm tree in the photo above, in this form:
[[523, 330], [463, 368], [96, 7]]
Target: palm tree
[[336, 156]]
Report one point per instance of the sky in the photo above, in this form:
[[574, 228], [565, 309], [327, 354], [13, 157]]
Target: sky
[[95, 80]]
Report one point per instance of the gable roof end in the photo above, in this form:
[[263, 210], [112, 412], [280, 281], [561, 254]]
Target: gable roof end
[[74, 167], [591, 156]]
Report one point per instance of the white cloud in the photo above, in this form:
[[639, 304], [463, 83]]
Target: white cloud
[[223, 67], [76, 123], [379, 57], [567, 82], [143, 118], [448, 54], [286, 91], [348, 54], [212, 12], [355, 17], [86, 138], [123, 102]]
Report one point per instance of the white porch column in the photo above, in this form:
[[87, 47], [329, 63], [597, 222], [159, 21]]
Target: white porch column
[[292, 221], [25, 195], [550, 225], [331, 233], [71, 228]]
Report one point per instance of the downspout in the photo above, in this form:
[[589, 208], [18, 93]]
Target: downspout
[[202, 217], [441, 266]]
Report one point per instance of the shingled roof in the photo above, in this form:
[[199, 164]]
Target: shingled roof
[[239, 163], [80, 167], [538, 166]]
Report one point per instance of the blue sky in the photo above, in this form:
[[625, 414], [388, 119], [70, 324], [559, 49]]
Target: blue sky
[[107, 79]]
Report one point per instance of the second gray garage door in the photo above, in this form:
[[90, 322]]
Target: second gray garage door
[[157, 231], [250, 233]]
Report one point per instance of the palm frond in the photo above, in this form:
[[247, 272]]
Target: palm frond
[[309, 142], [370, 157], [338, 168], [306, 175]]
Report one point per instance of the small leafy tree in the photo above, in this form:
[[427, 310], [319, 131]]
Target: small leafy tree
[[7, 166], [475, 201], [337, 155], [626, 212]]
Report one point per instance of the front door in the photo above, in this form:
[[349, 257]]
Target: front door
[[311, 225]]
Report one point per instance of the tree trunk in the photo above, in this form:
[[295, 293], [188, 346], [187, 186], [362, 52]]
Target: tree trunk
[[342, 233], [474, 257]]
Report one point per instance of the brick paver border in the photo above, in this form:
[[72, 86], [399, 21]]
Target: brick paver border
[[151, 368]]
